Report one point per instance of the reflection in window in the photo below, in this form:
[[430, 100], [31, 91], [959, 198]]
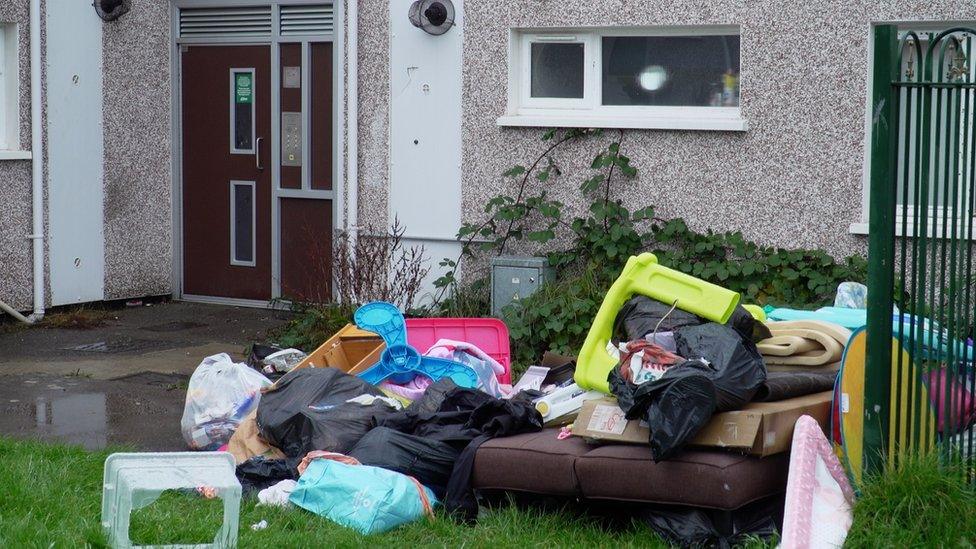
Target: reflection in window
[[687, 71]]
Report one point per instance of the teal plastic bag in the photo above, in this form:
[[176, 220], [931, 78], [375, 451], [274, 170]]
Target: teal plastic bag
[[367, 499]]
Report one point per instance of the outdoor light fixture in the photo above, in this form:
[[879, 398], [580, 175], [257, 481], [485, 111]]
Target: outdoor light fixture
[[432, 16], [652, 78], [110, 10]]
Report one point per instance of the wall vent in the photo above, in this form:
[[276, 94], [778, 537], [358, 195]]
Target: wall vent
[[226, 22], [305, 20]]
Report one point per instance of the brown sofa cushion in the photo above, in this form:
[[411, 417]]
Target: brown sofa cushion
[[534, 462], [714, 479]]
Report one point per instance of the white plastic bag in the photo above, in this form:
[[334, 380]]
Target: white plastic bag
[[220, 395]]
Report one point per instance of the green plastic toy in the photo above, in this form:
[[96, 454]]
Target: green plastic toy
[[642, 275]]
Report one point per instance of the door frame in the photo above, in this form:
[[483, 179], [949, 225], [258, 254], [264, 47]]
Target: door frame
[[336, 194]]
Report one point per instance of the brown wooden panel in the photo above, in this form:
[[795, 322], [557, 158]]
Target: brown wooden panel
[[306, 249], [322, 119], [209, 167], [291, 101]]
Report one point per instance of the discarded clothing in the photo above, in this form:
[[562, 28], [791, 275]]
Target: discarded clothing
[[220, 394], [322, 454], [723, 372], [784, 385], [259, 473], [487, 368], [642, 361], [367, 499], [429, 461], [411, 390], [464, 419], [308, 410], [277, 495]]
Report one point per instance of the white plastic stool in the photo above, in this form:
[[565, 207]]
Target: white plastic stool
[[135, 480]]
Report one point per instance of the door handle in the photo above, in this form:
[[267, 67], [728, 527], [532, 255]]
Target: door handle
[[257, 154]]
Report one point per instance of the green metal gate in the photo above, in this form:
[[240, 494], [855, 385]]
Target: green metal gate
[[922, 302]]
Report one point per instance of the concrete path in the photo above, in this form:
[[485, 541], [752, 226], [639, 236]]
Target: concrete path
[[123, 382]]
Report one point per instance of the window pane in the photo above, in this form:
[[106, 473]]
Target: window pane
[[243, 226], [689, 71], [557, 70]]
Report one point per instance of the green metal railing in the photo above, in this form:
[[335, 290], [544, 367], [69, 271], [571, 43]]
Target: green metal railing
[[922, 284]]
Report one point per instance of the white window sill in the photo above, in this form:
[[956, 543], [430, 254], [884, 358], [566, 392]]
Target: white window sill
[[636, 123], [934, 229], [15, 155]]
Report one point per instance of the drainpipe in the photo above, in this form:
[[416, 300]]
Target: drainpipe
[[352, 94], [37, 173], [37, 162]]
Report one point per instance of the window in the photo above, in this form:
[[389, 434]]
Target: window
[[242, 220], [242, 111], [666, 78], [9, 89]]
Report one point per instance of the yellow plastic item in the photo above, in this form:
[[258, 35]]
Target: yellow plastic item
[[642, 275], [756, 311], [852, 406]]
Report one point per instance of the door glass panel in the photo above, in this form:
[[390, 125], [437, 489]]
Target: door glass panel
[[242, 111], [242, 223], [687, 71]]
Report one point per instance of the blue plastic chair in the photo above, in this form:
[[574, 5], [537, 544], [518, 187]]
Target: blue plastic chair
[[400, 362]]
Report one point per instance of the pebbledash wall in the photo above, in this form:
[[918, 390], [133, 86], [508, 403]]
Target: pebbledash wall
[[136, 179], [794, 178]]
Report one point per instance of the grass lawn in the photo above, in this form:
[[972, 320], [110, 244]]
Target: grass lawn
[[52, 498]]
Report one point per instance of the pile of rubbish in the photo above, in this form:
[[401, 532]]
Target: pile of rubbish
[[372, 433]]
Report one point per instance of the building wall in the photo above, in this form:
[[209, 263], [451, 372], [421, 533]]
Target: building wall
[[137, 183], [138, 152], [793, 179], [15, 181]]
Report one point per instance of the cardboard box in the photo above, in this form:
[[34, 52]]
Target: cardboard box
[[760, 428], [351, 350]]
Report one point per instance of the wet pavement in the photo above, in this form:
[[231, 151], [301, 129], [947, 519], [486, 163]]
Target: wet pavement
[[122, 383]]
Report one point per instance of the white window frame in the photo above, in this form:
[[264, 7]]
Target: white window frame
[[589, 112], [234, 183], [934, 221], [10, 94]]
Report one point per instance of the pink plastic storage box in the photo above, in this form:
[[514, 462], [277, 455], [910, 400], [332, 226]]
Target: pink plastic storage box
[[488, 334]]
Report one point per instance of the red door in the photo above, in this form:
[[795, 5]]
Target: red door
[[226, 108]]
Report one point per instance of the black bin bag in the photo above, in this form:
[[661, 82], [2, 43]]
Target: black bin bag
[[427, 460], [307, 410], [640, 315], [723, 373]]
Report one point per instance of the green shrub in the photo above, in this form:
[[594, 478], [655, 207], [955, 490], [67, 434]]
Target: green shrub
[[558, 316]]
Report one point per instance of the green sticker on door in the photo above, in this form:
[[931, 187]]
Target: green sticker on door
[[243, 88]]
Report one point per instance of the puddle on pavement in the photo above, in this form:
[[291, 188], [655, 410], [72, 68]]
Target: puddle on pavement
[[76, 419]]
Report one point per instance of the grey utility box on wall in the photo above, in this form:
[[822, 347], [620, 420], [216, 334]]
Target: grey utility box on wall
[[514, 278]]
